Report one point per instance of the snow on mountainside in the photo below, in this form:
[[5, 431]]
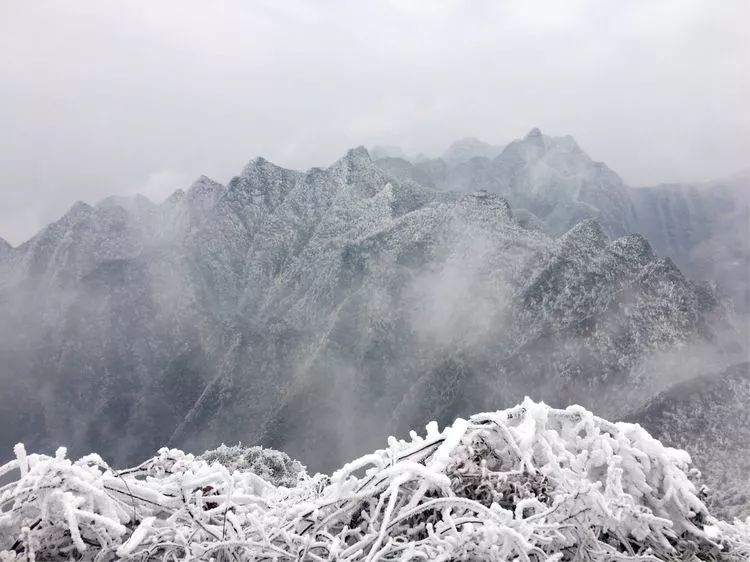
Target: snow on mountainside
[[709, 418], [317, 312], [704, 228], [552, 178], [527, 483]]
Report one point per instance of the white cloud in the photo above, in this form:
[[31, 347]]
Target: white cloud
[[99, 96]]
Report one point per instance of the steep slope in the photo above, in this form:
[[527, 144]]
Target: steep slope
[[320, 311], [423, 173], [705, 228], [549, 176], [434, 295], [708, 417], [82, 238], [558, 182]]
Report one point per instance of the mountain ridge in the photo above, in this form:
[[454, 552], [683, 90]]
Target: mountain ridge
[[703, 226], [234, 310], [544, 143]]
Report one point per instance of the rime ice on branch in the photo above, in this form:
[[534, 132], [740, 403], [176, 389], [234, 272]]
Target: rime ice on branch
[[528, 483]]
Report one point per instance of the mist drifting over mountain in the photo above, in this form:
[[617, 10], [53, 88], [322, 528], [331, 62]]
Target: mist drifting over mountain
[[482, 293]]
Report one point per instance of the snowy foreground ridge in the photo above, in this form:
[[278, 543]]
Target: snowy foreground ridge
[[528, 483]]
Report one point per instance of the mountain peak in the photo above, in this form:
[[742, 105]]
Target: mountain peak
[[358, 154], [586, 234], [634, 247], [78, 211], [536, 145], [252, 167], [205, 190], [260, 166], [177, 196], [534, 133], [204, 184], [565, 143], [533, 143], [355, 159]]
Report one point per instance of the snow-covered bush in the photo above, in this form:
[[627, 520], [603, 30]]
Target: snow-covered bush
[[273, 466], [530, 483]]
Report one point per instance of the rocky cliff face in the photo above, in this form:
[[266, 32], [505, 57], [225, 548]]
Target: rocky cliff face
[[705, 228], [300, 310]]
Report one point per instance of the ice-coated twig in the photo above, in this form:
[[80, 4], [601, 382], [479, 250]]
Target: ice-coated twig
[[529, 483]]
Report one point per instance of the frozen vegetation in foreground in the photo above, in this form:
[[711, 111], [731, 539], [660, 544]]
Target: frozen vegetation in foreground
[[529, 483]]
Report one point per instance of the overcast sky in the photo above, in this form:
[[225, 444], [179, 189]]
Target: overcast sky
[[100, 97]]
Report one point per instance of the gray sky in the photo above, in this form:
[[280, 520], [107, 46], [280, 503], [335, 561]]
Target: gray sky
[[100, 97]]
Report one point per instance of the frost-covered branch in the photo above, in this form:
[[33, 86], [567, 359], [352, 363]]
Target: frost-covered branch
[[529, 483]]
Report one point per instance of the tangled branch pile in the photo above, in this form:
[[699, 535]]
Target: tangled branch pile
[[530, 483]]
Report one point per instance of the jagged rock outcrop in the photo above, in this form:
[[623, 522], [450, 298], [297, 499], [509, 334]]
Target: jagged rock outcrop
[[549, 176], [317, 312], [703, 228]]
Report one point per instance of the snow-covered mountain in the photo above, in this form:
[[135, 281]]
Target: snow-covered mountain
[[548, 176], [554, 184], [318, 312]]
